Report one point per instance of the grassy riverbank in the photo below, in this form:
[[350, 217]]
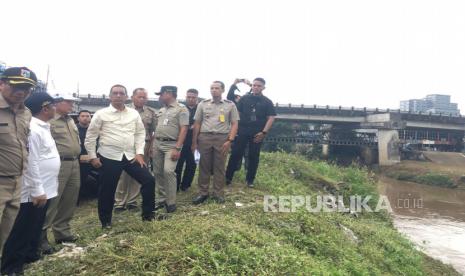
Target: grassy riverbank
[[240, 238]]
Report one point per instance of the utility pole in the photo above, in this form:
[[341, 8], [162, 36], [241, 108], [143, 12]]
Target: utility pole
[[48, 73]]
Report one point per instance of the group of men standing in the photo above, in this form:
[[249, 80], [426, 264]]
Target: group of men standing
[[39, 169], [120, 142]]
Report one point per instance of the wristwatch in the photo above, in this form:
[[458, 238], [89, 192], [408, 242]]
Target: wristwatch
[[231, 140], [265, 132], [178, 148]]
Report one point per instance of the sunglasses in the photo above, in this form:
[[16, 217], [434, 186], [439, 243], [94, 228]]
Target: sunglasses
[[22, 88]]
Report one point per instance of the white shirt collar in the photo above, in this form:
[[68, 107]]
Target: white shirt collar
[[114, 110], [39, 122]]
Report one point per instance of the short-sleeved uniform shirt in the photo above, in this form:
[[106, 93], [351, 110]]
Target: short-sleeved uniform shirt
[[14, 131], [216, 117], [170, 120], [149, 118], [66, 136]]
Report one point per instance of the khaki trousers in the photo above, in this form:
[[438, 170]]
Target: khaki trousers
[[10, 198], [211, 159], [62, 207], [128, 189], [164, 171]]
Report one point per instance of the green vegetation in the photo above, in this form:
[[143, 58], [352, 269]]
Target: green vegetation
[[235, 239], [429, 178]]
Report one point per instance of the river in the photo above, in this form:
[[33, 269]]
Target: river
[[431, 217]]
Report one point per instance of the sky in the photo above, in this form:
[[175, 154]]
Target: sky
[[334, 52]]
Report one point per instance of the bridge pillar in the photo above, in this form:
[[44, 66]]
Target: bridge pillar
[[325, 151], [388, 147], [368, 155]]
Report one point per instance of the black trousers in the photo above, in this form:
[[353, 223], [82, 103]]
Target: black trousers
[[238, 149], [22, 244], [89, 185], [184, 181], [246, 159], [110, 173]]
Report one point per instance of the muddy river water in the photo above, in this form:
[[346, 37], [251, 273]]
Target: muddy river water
[[432, 217]]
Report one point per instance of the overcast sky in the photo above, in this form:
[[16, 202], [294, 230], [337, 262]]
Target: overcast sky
[[350, 53]]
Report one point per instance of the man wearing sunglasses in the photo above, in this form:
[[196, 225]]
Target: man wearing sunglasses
[[16, 84]]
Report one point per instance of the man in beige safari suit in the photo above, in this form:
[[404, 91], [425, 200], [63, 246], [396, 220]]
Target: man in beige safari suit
[[61, 208], [128, 189], [170, 133], [16, 84], [216, 122]]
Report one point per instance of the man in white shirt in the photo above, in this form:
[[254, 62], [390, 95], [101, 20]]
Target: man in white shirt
[[121, 136], [40, 184]]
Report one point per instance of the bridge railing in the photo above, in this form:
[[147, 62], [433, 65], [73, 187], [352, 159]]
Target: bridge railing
[[99, 99]]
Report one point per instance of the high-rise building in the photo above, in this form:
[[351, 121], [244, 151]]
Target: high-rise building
[[2, 67], [413, 105], [433, 103]]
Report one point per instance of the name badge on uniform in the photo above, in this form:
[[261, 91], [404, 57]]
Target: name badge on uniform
[[165, 122], [222, 119]]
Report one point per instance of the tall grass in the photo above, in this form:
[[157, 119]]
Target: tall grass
[[214, 239]]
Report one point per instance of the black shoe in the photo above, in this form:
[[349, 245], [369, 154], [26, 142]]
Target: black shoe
[[219, 199], [32, 258], [160, 205], [119, 209], [106, 225], [132, 207], [228, 181], [148, 217], [199, 199], [48, 251], [250, 184], [170, 208], [185, 188], [70, 239], [45, 247]]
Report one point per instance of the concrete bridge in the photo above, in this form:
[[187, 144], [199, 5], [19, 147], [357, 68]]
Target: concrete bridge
[[392, 127]]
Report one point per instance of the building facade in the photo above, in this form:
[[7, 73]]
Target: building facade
[[433, 103]]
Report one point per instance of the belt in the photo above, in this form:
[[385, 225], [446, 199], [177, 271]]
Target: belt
[[165, 139], [215, 133], [68, 158], [9, 176]]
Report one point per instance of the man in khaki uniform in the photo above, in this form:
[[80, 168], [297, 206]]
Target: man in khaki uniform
[[61, 209], [216, 122], [16, 84], [128, 189], [173, 122]]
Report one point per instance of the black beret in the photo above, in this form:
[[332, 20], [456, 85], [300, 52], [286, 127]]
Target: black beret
[[19, 75], [171, 89]]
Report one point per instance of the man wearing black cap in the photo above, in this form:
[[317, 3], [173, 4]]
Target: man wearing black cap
[[16, 84], [171, 130], [257, 116], [121, 135], [39, 185]]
